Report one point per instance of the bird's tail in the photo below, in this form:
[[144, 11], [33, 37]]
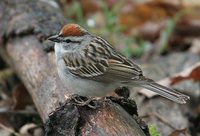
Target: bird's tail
[[161, 90], [167, 92]]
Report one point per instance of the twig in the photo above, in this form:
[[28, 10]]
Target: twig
[[7, 111]]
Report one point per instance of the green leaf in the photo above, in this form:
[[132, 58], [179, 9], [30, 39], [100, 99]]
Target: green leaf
[[153, 131]]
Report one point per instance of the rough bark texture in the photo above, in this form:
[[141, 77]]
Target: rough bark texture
[[24, 27]]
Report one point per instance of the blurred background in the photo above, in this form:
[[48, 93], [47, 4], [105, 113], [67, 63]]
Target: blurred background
[[162, 36]]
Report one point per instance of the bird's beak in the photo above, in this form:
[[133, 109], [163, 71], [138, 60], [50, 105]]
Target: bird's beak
[[54, 38]]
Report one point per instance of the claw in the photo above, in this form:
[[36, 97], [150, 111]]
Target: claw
[[84, 101]]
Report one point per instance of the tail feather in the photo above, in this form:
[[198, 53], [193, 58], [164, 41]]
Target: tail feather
[[166, 92]]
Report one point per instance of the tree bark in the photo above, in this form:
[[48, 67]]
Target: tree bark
[[24, 27]]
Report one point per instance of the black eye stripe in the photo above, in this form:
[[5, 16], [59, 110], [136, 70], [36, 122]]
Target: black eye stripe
[[68, 41]]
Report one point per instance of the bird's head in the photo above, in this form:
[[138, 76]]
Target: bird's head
[[70, 33]]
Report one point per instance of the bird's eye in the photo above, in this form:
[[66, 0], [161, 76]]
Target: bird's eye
[[68, 41]]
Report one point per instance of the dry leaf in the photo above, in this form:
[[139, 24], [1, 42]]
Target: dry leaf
[[151, 30], [21, 97], [192, 72], [133, 15], [89, 6], [178, 132]]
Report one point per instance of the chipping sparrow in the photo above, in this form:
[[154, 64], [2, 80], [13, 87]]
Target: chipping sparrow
[[90, 66]]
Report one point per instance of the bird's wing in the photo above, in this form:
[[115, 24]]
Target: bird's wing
[[100, 61]]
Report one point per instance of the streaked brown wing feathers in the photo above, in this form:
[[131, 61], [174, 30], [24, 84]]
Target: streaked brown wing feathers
[[101, 63]]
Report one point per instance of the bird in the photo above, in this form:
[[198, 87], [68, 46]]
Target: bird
[[90, 66]]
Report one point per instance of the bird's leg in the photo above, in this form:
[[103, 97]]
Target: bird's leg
[[84, 101]]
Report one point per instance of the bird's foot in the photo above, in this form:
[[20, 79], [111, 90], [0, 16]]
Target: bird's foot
[[84, 101]]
